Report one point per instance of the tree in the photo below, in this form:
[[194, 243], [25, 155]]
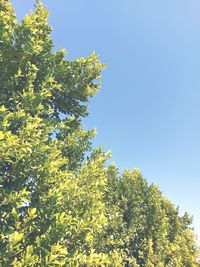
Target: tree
[[59, 207], [154, 233]]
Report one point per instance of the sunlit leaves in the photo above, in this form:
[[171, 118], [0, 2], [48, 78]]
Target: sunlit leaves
[[60, 204]]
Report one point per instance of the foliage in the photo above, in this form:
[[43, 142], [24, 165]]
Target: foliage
[[61, 205]]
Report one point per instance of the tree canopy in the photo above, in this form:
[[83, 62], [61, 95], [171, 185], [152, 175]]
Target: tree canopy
[[61, 204]]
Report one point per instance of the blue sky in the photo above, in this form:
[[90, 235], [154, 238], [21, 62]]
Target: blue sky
[[148, 110]]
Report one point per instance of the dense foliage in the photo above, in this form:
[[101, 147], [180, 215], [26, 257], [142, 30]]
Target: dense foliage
[[60, 204]]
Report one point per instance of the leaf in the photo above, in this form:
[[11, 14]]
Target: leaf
[[2, 109], [32, 212], [1, 135], [15, 238]]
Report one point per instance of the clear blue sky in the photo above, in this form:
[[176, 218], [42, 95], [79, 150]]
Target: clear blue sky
[[148, 110]]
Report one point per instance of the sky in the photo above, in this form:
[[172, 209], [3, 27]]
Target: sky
[[148, 109]]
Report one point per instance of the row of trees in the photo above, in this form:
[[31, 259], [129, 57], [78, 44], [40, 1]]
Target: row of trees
[[57, 206]]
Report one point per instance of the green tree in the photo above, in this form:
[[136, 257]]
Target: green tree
[[57, 206], [152, 230]]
